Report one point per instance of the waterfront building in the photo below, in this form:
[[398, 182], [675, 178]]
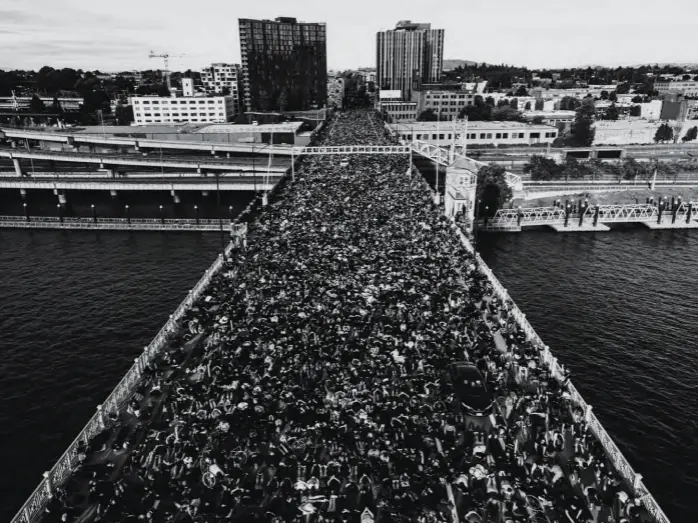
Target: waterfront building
[[408, 56], [179, 109], [284, 64], [477, 133], [391, 103]]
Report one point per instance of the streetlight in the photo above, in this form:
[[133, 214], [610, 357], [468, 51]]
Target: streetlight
[[60, 214], [26, 211], [196, 214], [94, 213], [128, 216], [231, 212], [162, 215]]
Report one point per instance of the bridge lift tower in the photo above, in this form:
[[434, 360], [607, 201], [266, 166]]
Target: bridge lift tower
[[166, 58]]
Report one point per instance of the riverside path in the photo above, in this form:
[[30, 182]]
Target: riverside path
[[352, 360]]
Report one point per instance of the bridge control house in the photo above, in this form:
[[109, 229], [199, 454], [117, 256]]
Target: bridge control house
[[476, 133]]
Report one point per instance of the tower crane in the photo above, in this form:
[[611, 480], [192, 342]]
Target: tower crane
[[166, 58]]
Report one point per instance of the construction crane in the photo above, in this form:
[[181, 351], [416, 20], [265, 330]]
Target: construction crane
[[166, 58]]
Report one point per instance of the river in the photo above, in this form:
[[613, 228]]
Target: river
[[619, 309]]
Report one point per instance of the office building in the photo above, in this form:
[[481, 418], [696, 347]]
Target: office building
[[392, 104], [171, 110], [447, 103], [284, 64], [685, 87], [223, 79], [408, 56]]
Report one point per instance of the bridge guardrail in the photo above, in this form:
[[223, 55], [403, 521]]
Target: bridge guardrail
[[63, 468], [620, 462]]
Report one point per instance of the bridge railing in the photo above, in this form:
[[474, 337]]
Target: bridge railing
[[65, 465], [167, 221], [619, 461]]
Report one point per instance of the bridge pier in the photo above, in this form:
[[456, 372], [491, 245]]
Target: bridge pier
[[23, 193], [567, 214], [596, 216], [18, 167], [62, 198]]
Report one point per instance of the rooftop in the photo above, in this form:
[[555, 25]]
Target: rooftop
[[445, 126], [286, 127]]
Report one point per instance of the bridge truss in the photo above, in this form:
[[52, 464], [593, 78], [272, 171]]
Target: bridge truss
[[352, 149]]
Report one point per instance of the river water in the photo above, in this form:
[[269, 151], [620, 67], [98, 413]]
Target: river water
[[76, 307], [620, 310]]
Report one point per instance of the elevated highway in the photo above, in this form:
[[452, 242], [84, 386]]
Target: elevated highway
[[186, 144]]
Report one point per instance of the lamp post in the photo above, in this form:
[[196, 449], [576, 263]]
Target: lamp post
[[94, 213], [60, 212], [128, 216], [162, 215], [196, 214], [26, 211], [230, 209]]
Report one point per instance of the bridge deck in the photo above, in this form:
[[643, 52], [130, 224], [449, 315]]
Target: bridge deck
[[308, 375]]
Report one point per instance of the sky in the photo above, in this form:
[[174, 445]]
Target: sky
[[118, 35]]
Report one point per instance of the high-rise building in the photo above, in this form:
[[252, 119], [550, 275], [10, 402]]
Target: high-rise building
[[408, 56], [284, 64], [222, 79]]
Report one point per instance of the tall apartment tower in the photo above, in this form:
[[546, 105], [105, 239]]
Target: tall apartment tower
[[409, 55], [284, 64]]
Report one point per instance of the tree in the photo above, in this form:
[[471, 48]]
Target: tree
[[492, 189], [123, 114], [427, 115], [537, 120], [637, 99], [572, 169], [527, 107], [664, 133], [604, 95], [539, 105], [506, 114], [56, 106], [690, 135], [569, 103], [283, 101], [623, 88], [521, 91], [514, 104], [542, 168], [36, 105], [635, 110], [612, 113], [163, 90], [489, 101], [612, 96], [583, 132], [479, 111]]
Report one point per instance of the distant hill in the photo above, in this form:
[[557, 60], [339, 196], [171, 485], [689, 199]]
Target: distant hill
[[452, 64]]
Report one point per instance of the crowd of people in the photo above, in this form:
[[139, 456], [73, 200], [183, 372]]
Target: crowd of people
[[309, 383]]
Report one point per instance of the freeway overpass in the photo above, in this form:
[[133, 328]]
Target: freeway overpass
[[90, 140], [109, 161]]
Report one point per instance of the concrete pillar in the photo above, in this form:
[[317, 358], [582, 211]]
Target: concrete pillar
[[62, 198], [175, 197], [265, 200], [690, 212], [136, 146], [637, 482], [661, 211], [198, 170], [18, 168], [582, 210], [567, 214], [674, 210], [13, 144], [596, 216], [519, 217], [113, 193], [23, 192]]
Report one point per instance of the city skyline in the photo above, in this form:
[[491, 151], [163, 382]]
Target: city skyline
[[38, 34]]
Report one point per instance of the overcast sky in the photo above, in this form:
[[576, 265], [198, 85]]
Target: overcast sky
[[118, 35]]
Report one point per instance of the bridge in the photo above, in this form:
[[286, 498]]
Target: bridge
[[113, 224], [118, 414], [596, 218], [75, 139]]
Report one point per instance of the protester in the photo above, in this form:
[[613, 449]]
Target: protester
[[309, 383]]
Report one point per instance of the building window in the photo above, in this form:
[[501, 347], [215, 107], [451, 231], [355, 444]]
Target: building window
[[441, 136], [535, 135], [498, 136], [483, 136], [505, 135]]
